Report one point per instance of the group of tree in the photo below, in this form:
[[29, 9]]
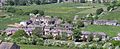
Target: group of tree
[[28, 2], [22, 12]]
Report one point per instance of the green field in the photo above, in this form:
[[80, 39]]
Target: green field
[[64, 10], [114, 15], [42, 47], [109, 30]]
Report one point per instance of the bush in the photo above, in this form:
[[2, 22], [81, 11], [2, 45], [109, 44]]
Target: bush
[[26, 13], [38, 12], [115, 43], [14, 10], [11, 9], [19, 11], [99, 11], [20, 33], [109, 7]]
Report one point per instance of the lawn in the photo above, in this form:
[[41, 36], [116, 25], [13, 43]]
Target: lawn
[[109, 30], [42, 47]]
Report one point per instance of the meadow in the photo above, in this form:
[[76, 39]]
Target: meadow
[[64, 10], [114, 15], [109, 30]]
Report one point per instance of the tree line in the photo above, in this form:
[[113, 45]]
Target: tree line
[[29, 2]]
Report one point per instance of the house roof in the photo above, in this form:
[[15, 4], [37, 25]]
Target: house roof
[[6, 45], [85, 32], [10, 29]]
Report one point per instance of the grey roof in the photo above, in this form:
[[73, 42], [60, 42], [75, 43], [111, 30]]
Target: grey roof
[[6, 45], [85, 32], [10, 29], [69, 32]]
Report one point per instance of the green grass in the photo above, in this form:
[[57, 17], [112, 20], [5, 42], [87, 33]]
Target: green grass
[[42, 47], [11, 20], [115, 15], [64, 10], [109, 30]]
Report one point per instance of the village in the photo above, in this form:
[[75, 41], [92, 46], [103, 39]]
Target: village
[[54, 30]]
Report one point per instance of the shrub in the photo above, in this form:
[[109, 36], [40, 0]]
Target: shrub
[[99, 11], [115, 43], [11, 9], [19, 11], [2, 16], [38, 12], [26, 13], [20, 33]]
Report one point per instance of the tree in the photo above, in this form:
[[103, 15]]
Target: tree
[[10, 2], [99, 11], [64, 36], [38, 12], [16, 2], [38, 2], [90, 37], [79, 24], [20, 33], [76, 33], [11, 9], [38, 32]]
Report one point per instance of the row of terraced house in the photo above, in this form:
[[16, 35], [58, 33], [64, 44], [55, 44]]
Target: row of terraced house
[[55, 26]]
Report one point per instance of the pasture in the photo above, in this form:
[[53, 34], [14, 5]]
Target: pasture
[[109, 30], [64, 10]]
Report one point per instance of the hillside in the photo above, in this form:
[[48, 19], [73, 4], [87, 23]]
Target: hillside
[[64, 10]]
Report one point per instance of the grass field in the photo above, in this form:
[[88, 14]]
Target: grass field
[[42, 47], [115, 15], [11, 20], [109, 30], [64, 10]]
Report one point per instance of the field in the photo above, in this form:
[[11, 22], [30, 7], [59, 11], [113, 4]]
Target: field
[[109, 30], [64, 10], [114, 15], [42, 47]]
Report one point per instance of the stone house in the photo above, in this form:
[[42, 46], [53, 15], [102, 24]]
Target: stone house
[[87, 22], [87, 33], [105, 22], [10, 31], [117, 38], [7, 45]]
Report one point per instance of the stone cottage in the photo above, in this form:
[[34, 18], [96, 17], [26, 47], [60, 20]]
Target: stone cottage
[[87, 33], [105, 22]]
